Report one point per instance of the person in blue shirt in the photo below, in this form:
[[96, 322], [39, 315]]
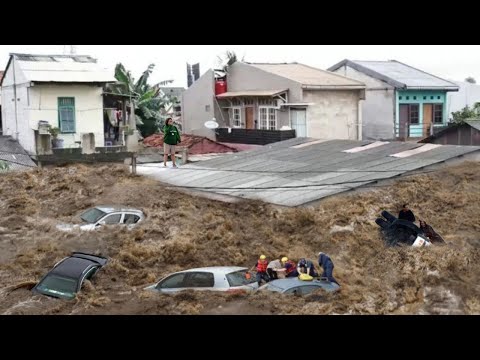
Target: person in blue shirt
[[327, 265], [305, 266]]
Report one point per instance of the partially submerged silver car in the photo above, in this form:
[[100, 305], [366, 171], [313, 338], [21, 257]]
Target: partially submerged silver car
[[299, 287], [98, 216], [217, 278]]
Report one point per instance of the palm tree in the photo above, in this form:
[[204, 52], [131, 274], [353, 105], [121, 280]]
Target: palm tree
[[227, 60], [148, 100]]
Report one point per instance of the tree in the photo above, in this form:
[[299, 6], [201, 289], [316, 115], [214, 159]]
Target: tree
[[470, 80], [466, 113], [149, 100], [227, 60]]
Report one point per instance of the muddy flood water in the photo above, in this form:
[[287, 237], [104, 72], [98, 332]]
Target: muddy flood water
[[182, 231]]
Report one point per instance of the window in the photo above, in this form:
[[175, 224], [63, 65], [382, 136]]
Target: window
[[92, 216], [112, 219], [172, 282], [239, 278], [237, 116], [438, 113], [268, 118], [401, 97], [199, 279], [130, 219], [66, 114], [414, 114]]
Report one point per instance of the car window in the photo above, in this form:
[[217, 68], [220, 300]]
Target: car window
[[307, 289], [172, 282], [58, 286], [91, 272], [92, 216], [200, 279], [294, 290], [130, 219], [239, 278], [112, 219]]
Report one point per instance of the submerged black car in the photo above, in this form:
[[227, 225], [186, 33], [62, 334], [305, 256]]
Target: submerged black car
[[67, 276]]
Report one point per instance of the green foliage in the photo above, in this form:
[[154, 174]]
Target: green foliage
[[466, 113]]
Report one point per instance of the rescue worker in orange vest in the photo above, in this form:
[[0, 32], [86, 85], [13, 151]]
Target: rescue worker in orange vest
[[289, 267], [261, 266]]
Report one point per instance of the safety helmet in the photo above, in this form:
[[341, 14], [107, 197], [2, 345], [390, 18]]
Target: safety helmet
[[284, 259], [262, 257]]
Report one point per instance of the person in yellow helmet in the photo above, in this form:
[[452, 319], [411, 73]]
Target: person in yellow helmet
[[261, 267], [289, 267]]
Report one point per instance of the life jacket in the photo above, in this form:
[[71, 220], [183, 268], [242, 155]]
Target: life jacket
[[291, 268], [262, 266]]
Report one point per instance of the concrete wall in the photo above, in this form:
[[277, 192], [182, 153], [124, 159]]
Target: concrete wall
[[378, 109], [467, 95], [88, 110], [199, 106], [334, 114], [246, 77]]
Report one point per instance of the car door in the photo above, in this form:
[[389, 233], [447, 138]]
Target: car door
[[130, 219], [110, 219], [172, 283], [200, 280]]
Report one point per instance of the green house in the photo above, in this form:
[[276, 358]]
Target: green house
[[402, 102]]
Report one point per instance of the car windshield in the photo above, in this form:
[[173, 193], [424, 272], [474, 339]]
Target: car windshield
[[239, 278], [92, 216], [58, 286]]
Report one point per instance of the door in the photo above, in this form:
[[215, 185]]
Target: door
[[249, 118], [427, 119], [299, 121], [403, 131]]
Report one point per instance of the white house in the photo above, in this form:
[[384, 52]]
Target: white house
[[64, 90]]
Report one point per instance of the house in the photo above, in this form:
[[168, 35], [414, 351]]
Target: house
[[468, 95], [402, 102], [258, 103], [14, 155], [63, 90], [466, 133]]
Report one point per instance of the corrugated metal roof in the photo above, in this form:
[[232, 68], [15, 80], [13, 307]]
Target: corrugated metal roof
[[474, 123], [404, 75], [13, 153], [251, 93], [309, 76], [56, 68], [285, 174]]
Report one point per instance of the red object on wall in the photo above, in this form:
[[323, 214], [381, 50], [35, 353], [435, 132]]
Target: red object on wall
[[220, 86]]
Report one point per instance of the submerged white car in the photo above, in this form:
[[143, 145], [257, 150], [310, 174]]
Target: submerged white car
[[217, 278], [98, 216]]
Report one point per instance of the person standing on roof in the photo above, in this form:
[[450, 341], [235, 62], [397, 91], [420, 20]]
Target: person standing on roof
[[261, 266], [406, 214], [327, 265], [171, 137], [289, 267], [272, 268], [306, 266]]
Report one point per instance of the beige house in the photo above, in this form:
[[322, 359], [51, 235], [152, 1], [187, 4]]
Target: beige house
[[63, 90], [270, 98]]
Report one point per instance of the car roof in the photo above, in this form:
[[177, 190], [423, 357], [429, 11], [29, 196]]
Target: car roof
[[288, 283], [217, 269], [114, 208], [72, 267]]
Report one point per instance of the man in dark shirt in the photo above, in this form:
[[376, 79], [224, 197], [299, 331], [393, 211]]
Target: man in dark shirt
[[406, 214], [305, 266], [327, 265]]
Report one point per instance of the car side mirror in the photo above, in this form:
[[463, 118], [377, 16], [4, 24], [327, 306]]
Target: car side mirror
[[101, 223]]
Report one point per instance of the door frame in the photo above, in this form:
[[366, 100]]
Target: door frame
[[290, 118]]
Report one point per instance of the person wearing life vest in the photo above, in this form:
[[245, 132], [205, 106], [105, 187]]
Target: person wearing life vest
[[261, 267], [327, 265], [289, 267], [305, 266]]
